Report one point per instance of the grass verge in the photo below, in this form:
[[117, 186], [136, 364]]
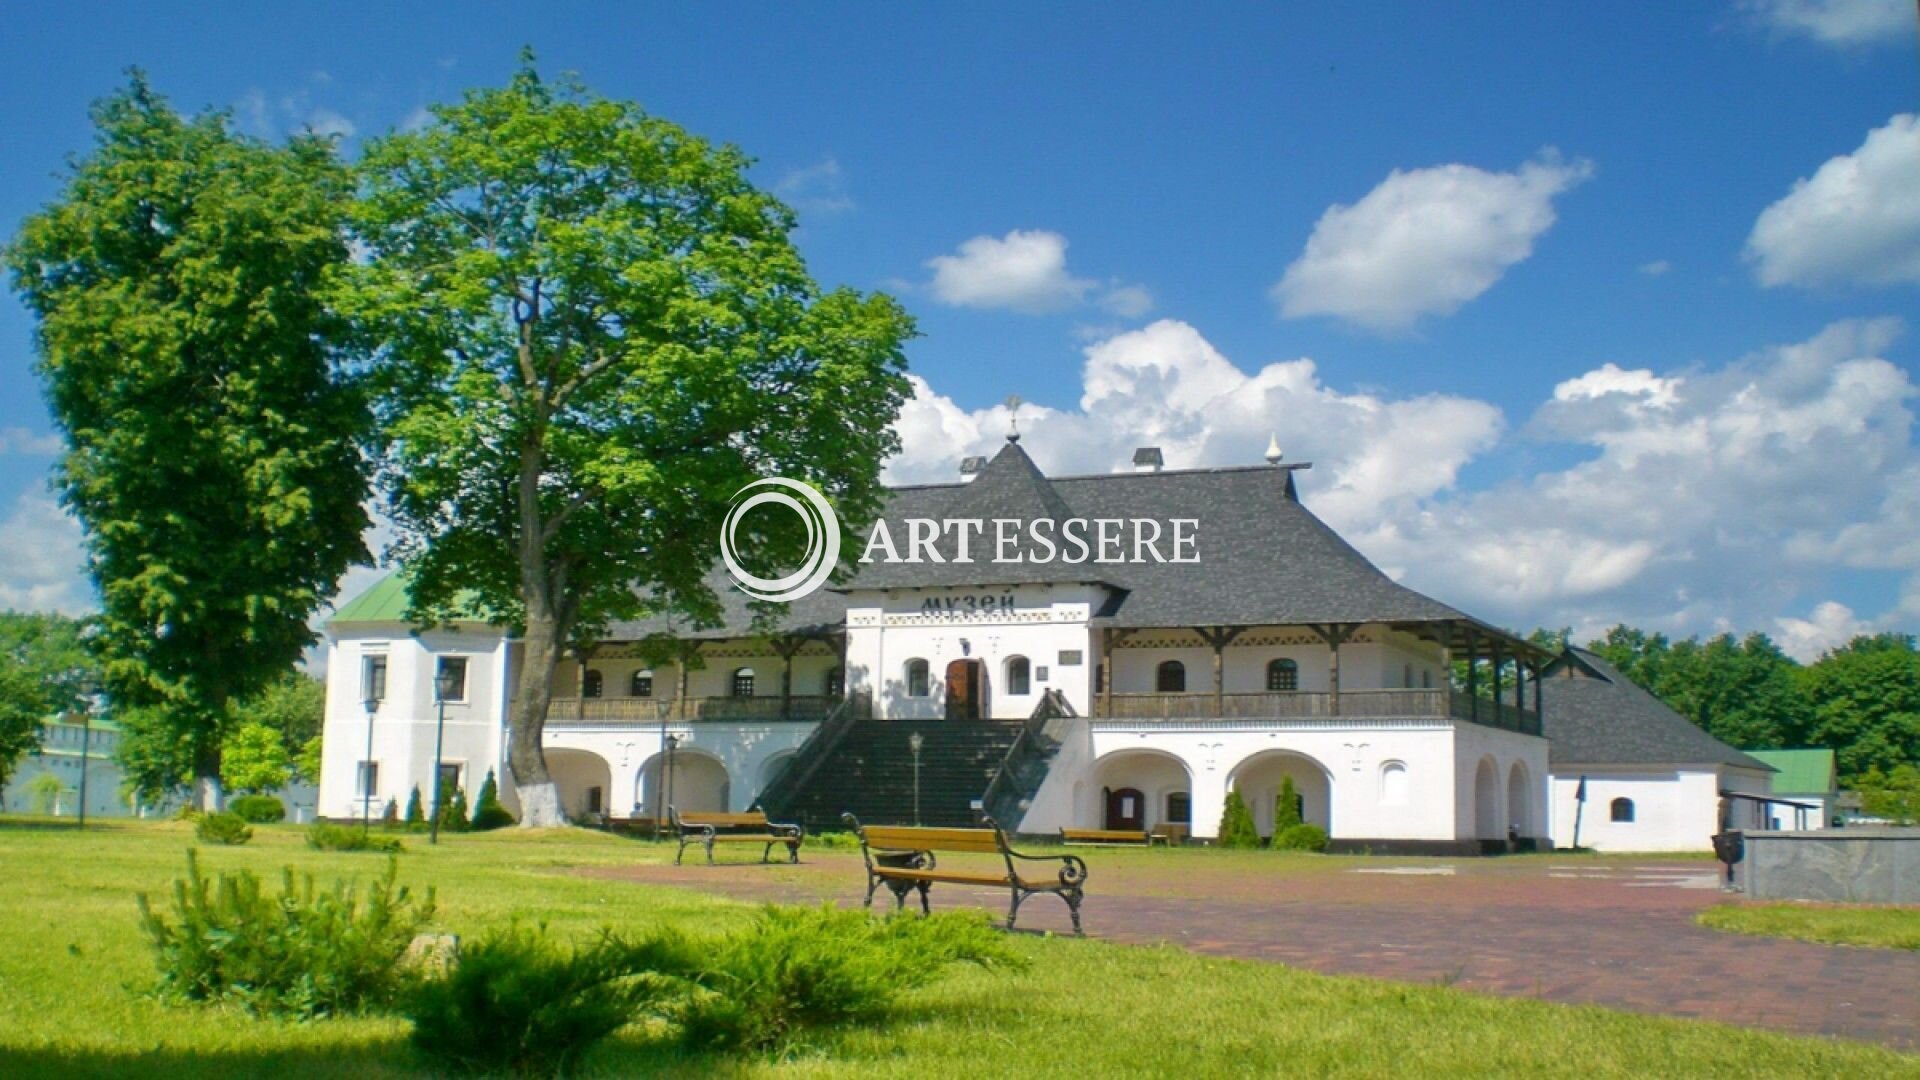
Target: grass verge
[[1826, 924], [74, 968]]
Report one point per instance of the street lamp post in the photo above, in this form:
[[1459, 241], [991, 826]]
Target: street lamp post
[[914, 742], [673, 742], [372, 705], [86, 742], [442, 686]]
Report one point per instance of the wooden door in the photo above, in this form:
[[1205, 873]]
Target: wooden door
[[1126, 809], [963, 690]]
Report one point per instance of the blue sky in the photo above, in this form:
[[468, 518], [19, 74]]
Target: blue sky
[[1476, 210]]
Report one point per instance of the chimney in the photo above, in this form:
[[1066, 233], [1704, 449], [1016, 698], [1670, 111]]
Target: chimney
[[1148, 459], [970, 467]]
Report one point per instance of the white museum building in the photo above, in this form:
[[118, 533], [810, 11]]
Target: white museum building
[[1131, 692]]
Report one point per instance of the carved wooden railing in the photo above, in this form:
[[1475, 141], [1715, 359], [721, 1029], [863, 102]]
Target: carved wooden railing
[[614, 710], [1315, 705]]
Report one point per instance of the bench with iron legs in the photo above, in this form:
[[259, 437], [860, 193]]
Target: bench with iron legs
[[904, 859], [1105, 837], [752, 827]]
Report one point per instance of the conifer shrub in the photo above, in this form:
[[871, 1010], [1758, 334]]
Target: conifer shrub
[[416, 817], [1236, 824], [325, 836], [390, 815], [1301, 837], [1286, 807], [305, 952], [800, 969], [453, 813], [259, 809], [222, 827], [517, 1001], [488, 811]]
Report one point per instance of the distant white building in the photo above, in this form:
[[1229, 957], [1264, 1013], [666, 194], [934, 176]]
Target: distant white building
[[1124, 693], [1652, 780], [1808, 785]]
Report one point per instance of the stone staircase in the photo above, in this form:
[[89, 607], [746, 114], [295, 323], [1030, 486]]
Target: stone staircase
[[868, 771]]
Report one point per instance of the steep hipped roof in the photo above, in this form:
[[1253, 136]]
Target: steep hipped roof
[[1593, 715], [1800, 772]]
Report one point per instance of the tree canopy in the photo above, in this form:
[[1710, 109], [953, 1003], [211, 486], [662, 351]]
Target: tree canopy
[[593, 331], [188, 359], [45, 672]]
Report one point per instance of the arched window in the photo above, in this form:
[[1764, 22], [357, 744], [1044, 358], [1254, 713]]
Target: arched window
[[836, 682], [1019, 675], [593, 684], [1282, 675], [916, 678], [743, 682], [642, 684], [1622, 810], [1170, 677], [1393, 783]]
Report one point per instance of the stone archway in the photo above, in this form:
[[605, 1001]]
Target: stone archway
[[696, 781], [584, 781], [1486, 801], [1261, 778], [1161, 782], [1519, 800]]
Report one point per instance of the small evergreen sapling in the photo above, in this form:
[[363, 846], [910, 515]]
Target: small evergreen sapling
[[415, 816], [1286, 807], [1236, 824], [453, 818], [390, 816], [488, 812]]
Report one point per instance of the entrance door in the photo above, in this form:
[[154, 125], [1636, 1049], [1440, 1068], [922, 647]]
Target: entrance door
[[963, 690], [1126, 809]]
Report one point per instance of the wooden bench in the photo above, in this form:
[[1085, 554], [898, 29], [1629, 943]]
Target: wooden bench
[[752, 827], [1170, 834], [903, 858], [1104, 837]]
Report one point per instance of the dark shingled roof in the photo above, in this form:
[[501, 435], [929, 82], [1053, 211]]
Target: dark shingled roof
[[1593, 715], [1264, 559]]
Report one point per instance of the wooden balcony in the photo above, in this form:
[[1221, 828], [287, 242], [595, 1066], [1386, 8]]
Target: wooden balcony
[[1312, 705], [627, 711]]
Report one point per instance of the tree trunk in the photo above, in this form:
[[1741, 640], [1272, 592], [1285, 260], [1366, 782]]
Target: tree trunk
[[208, 795], [526, 728]]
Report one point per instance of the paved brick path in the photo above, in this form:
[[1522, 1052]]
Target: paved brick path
[[1609, 933]]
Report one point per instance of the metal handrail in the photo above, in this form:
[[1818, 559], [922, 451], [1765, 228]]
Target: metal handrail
[[813, 752]]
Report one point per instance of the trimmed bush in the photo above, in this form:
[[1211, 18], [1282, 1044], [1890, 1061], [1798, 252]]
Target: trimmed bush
[[222, 828], [259, 809], [1286, 807], [324, 836], [1301, 838], [1236, 824], [304, 953], [797, 969], [516, 1001], [488, 812]]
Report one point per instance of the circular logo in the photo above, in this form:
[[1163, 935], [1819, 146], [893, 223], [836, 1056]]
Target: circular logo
[[823, 539]]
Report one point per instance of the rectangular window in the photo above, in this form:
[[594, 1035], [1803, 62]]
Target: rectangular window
[[369, 779], [449, 779], [451, 680], [1180, 808], [373, 680]]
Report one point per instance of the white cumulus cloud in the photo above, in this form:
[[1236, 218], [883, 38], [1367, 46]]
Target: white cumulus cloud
[[45, 567], [1424, 242], [819, 188], [1857, 220], [1844, 23], [1025, 270], [1828, 625]]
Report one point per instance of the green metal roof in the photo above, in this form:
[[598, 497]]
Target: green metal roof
[[1801, 772], [386, 602]]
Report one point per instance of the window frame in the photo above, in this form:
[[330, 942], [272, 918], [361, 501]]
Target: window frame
[[440, 665], [1162, 670], [640, 683], [1285, 666], [1621, 811], [741, 683], [919, 667], [1019, 673], [593, 684]]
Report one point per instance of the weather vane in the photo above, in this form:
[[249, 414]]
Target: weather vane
[[1013, 418]]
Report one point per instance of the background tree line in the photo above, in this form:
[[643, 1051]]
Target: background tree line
[[1862, 699]]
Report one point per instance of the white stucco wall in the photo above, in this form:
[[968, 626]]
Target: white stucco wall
[[1676, 808]]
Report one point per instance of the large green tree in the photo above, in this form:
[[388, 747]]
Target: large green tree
[[1865, 699], [593, 332], [188, 359], [45, 672], [1742, 691]]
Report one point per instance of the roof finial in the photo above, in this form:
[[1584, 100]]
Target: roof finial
[[1273, 449], [1013, 418]]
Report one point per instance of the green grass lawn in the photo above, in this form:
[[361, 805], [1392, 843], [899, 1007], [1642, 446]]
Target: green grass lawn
[[1827, 924], [74, 967]]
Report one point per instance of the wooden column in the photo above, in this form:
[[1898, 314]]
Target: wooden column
[[1496, 660], [1105, 687], [580, 695], [688, 650], [1539, 714], [786, 647], [1473, 676], [1219, 637], [1334, 634]]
